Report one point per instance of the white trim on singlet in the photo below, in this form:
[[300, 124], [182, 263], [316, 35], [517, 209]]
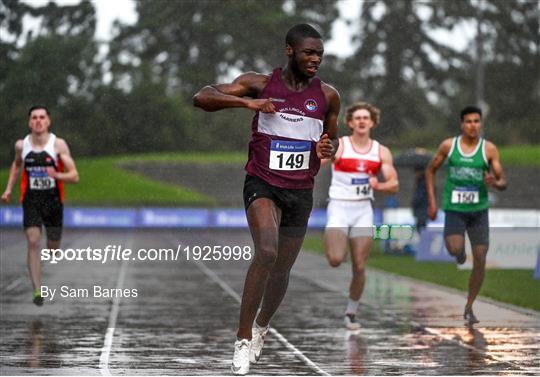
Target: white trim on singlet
[[452, 147], [350, 151], [473, 152], [369, 150], [298, 127], [49, 147]]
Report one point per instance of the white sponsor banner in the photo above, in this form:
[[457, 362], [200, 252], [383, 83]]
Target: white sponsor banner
[[514, 237], [522, 218], [509, 249]]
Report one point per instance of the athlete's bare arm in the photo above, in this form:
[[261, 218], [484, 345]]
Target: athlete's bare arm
[[14, 171], [328, 144], [497, 179], [225, 96], [434, 165], [70, 173], [391, 183]]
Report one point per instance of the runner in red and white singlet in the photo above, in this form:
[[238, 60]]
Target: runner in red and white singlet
[[358, 162]]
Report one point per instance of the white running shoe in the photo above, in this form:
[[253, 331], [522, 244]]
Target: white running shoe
[[240, 363], [350, 322], [257, 342]]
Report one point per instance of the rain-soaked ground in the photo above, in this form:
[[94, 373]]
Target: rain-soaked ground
[[183, 320]]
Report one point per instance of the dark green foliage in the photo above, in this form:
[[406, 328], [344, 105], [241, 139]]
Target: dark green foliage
[[137, 97]]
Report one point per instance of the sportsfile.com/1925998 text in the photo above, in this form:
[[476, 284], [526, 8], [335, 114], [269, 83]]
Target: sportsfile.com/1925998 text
[[112, 253]]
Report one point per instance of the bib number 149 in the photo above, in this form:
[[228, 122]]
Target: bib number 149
[[291, 162], [289, 155]]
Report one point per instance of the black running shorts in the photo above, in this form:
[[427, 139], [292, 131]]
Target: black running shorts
[[476, 224], [49, 212], [295, 204]]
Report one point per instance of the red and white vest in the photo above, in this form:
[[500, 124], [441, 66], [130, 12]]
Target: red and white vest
[[352, 169]]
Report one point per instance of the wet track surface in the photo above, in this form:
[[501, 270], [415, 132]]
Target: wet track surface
[[183, 320]]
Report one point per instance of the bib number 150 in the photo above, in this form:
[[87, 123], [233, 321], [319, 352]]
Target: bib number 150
[[460, 196]]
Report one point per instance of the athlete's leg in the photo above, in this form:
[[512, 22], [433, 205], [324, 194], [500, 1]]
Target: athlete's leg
[[263, 218], [335, 243], [54, 236], [53, 219], [276, 286], [336, 233], [455, 244], [454, 234], [478, 271], [478, 231], [360, 249], [33, 235]]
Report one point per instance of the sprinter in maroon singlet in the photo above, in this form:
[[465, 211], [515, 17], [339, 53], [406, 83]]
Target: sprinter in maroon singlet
[[295, 125]]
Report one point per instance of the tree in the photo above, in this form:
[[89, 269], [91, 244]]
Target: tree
[[55, 63], [181, 46], [398, 64], [512, 72], [193, 42]]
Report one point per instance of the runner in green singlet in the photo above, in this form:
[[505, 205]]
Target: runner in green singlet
[[473, 164]]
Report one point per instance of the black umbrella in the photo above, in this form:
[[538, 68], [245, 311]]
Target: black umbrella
[[417, 158]]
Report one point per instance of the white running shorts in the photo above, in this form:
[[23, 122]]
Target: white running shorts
[[352, 217]]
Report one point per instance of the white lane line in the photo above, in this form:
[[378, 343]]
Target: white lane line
[[212, 275], [430, 330], [113, 315], [14, 284]]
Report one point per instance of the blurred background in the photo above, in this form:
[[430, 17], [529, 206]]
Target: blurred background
[[419, 61], [119, 76]]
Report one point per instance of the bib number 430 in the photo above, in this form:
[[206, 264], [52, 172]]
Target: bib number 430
[[42, 183]]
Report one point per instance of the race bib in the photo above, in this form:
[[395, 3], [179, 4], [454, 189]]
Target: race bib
[[289, 155], [40, 180], [361, 187], [42, 183], [465, 195]]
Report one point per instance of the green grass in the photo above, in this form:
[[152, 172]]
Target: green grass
[[103, 183], [517, 287], [198, 157], [523, 155]]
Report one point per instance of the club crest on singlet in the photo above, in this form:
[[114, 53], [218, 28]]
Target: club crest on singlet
[[311, 105]]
